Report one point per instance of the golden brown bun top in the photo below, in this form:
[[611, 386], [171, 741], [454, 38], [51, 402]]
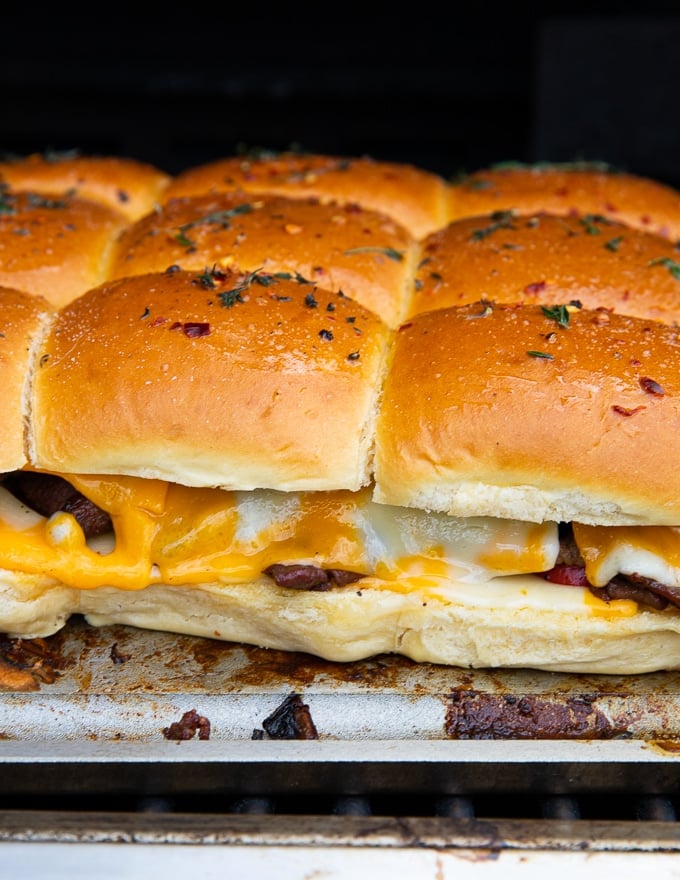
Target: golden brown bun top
[[128, 186], [22, 318], [216, 378], [366, 255], [56, 247], [548, 259], [412, 196], [559, 189], [504, 411]]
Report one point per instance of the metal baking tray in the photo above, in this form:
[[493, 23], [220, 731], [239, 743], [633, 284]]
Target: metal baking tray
[[105, 698]]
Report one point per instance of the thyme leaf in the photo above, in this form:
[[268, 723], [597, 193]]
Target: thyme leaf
[[215, 218], [560, 314], [540, 354], [392, 253], [673, 266], [500, 220]]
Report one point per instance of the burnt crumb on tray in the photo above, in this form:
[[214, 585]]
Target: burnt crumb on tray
[[26, 664], [291, 720], [118, 656], [187, 726]]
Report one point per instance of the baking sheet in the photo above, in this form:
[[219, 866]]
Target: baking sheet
[[88, 710]]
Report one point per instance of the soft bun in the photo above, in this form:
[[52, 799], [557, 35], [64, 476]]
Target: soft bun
[[55, 247], [412, 196], [124, 185], [537, 630], [210, 379], [22, 320], [542, 258], [579, 189], [366, 255], [506, 411]]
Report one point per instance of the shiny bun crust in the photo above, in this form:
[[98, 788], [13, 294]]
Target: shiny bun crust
[[569, 415], [210, 379], [545, 259], [127, 186], [579, 189], [414, 197], [22, 321], [55, 247], [366, 255]]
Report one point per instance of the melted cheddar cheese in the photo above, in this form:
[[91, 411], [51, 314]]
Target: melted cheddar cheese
[[164, 533], [171, 534]]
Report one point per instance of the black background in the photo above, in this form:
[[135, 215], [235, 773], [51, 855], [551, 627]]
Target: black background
[[450, 88]]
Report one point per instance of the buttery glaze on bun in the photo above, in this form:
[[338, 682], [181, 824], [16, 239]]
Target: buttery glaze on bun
[[532, 414], [415, 198], [578, 189], [210, 379], [347, 248], [546, 259], [55, 247], [127, 186]]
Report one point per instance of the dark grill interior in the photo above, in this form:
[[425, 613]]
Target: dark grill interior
[[450, 89]]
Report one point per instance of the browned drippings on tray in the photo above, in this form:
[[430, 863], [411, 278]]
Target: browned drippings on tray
[[474, 715], [270, 667], [26, 664]]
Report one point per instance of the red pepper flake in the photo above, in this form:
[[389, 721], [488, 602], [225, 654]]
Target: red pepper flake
[[624, 411], [117, 656], [651, 387], [195, 329], [535, 288], [192, 329], [158, 321]]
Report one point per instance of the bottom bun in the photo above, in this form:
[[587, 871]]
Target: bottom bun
[[346, 624]]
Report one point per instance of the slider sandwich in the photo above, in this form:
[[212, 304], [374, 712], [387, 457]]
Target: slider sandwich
[[253, 458]]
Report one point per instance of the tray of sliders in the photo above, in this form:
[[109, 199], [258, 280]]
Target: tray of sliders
[[302, 447]]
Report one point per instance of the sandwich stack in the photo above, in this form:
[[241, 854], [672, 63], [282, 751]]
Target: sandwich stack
[[344, 406]]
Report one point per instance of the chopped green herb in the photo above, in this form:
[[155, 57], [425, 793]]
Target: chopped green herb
[[673, 266], [540, 354], [387, 251], [230, 297], [216, 218], [7, 205], [287, 276], [560, 314], [145, 313], [575, 165], [614, 243], [501, 220], [311, 301], [590, 221]]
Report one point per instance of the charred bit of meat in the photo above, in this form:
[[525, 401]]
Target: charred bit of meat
[[292, 720], [310, 577], [47, 494], [187, 726]]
